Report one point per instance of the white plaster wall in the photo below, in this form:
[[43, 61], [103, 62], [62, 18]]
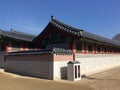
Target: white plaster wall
[[60, 69], [93, 63], [90, 64]]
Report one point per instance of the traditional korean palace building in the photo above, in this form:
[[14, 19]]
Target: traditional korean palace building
[[60, 43], [11, 41], [14, 41], [58, 34]]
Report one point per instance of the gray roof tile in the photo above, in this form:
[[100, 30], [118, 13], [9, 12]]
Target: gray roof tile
[[83, 33], [76, 32], [17, 35], [43, 51]]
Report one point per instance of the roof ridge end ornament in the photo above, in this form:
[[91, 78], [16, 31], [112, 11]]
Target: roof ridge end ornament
[[11, 30], [52, 17]]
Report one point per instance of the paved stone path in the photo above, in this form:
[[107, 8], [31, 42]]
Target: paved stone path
[[107, 80]]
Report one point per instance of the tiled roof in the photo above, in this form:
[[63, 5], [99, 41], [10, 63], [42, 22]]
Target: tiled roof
[[42, 51], [76, 32], [100, 38], [17, 35], [66, 28]]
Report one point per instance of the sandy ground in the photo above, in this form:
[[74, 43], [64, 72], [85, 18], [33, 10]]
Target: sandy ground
[[107, 80]]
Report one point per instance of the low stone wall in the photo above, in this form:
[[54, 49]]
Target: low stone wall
[[54, 66], [50, 66], [37, 65]]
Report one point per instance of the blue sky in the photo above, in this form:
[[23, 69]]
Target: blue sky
[[101, 17]]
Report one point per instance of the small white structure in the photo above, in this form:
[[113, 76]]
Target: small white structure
[[73, 71]]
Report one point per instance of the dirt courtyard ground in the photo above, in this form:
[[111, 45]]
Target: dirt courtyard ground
[[107, 80]]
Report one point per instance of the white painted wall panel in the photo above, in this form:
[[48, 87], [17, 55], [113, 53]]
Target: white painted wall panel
[[60, 69], [91, 63]]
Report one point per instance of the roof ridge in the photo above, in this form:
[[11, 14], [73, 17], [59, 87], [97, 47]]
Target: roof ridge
[[23, 33], [66, 25], [43, 51], [17, 35]]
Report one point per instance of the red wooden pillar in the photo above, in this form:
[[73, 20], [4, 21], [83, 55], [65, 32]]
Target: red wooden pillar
[[107, 50], [101, 49], [112, 51], [9, 47], [116, 50], [37, 47], [22, 47], [83, 47], [73, 47], [73, 57], [93, 48], [26, 47], [86, 47], [6, 48]]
